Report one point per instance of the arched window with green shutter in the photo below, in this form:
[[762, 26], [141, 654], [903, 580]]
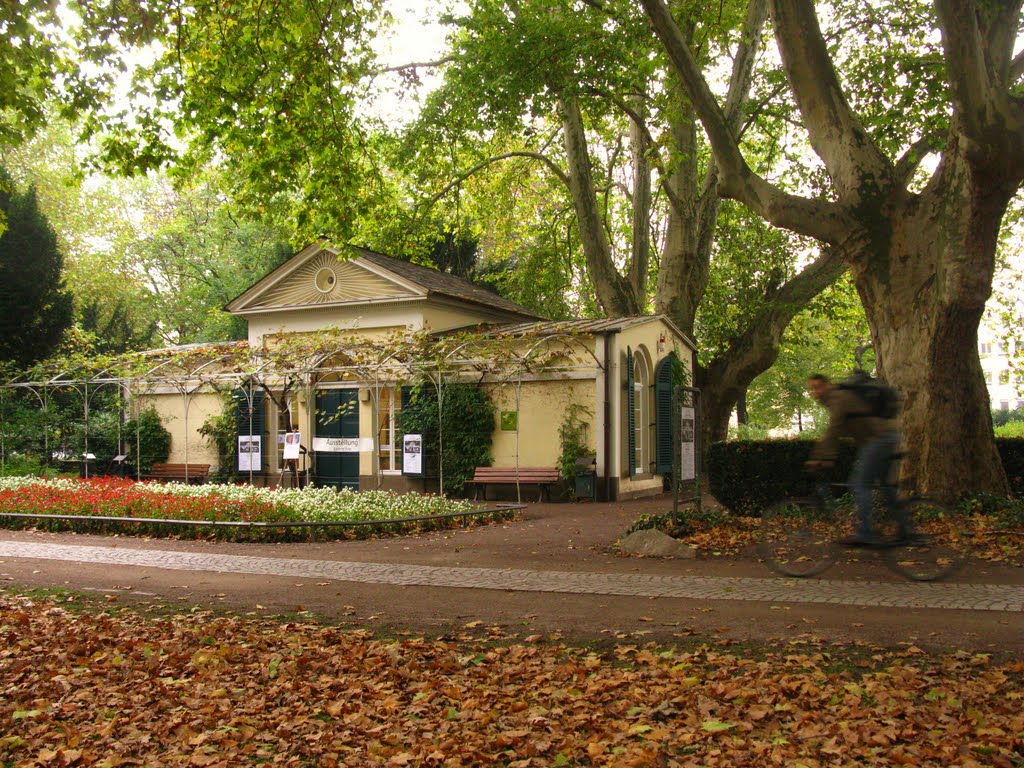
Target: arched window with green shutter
[[630, 413], [664, 420]]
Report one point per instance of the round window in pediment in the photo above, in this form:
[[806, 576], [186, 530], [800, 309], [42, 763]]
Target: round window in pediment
[[325, 280]]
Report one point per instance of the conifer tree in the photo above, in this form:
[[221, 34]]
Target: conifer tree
[[35, 307]]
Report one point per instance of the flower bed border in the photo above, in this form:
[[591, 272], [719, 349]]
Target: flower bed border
[[500, 508]]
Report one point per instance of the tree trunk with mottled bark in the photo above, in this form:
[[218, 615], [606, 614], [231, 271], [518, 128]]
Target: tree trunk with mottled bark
[[924, 298]]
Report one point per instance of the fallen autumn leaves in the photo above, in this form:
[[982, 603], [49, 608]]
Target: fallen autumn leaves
[[104, 690]]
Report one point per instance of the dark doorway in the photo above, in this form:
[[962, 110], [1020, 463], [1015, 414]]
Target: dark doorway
[[337, 421]]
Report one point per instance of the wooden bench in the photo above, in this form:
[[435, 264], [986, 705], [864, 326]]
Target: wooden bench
[[544, 477], [195, 474]]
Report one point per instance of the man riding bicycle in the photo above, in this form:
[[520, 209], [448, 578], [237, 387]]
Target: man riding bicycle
[[877, 440]]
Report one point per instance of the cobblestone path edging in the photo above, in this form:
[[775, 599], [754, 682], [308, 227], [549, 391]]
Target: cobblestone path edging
[[972, 597]]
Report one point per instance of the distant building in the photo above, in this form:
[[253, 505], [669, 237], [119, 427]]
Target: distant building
[[996, 354]]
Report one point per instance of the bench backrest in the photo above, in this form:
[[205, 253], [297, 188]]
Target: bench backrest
[[511, 474], [180, 470]]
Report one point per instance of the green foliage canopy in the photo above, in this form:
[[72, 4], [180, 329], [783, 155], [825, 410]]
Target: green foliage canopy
[[268, 91]]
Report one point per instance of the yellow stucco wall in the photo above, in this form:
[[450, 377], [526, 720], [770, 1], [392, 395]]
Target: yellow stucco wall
[[361, 320], [443, 317], [541, 409], [201, 407], [373, 321]]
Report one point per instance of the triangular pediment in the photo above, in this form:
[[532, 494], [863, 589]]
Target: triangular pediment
[[317, 277]]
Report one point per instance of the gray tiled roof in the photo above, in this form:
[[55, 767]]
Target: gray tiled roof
[[551, 327], [442, 283], [601, 326]]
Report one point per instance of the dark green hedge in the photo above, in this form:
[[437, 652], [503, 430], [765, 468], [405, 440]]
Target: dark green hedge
[[746, 476], [1011, 449]]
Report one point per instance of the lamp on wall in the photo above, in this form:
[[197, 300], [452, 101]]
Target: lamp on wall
[[661, 342]]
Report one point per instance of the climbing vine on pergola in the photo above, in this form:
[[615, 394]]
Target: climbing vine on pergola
[[301, 362]]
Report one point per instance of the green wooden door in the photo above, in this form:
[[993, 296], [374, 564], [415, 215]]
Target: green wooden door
[[337, 419]]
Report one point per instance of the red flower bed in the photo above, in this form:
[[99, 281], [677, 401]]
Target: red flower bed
[[112, 497]]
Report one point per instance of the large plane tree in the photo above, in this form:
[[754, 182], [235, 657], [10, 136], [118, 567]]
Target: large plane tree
[[922, 255]]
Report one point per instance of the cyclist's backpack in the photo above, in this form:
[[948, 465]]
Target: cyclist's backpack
[[883, 400]]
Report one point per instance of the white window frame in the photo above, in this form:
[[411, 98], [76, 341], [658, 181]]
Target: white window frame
[[641, 412], [392, 449]]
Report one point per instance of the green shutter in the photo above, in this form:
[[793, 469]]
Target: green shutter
[[664, 421], [630, 412], [252, 420]]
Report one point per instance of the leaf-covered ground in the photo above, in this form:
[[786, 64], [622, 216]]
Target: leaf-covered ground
[[203, 690], [730, 536]]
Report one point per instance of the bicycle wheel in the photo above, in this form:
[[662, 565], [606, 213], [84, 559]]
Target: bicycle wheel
[[938, 547], [798, 538]]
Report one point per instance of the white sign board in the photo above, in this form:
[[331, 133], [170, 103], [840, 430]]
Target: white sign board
[[412, 455], [250, 453], [687, 445], [292, 440], [337, 444]]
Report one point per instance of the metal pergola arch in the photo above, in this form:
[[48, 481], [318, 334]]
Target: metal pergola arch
[[259, 368]]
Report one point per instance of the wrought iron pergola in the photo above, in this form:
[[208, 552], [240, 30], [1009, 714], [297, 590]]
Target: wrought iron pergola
[[302, 364]]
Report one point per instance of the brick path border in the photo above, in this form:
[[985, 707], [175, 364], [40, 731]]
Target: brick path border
[[969, 597]]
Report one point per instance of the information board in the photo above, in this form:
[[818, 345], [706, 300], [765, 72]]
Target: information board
[[250, 453], [412, 455], [687, 445]]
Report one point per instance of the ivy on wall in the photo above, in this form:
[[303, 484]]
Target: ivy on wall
[[464, 415], [572, 437]]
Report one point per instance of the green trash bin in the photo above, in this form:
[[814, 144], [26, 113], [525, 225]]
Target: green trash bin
[[586, 478]]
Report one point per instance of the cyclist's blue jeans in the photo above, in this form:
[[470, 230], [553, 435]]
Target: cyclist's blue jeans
[[871, 469]]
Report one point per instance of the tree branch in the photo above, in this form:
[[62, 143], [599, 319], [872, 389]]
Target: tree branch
[[1017, 68], [961, 41], [834, 130], [639, 264], [743, 63], [613, 291], [755, 350], [738, 95], [908, 164], [819, 219], [972, 55], [653, 154], [415, 66], [552, 166]]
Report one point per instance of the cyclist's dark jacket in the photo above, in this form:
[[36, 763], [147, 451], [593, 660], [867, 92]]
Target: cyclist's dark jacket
[[848, 416]]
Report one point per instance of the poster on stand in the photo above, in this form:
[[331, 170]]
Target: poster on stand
[[687, 445], [412, 455], [292, 440], [250, 453]]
